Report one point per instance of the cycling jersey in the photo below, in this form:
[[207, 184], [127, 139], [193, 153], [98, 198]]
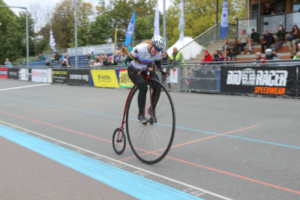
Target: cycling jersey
[[140, 57]]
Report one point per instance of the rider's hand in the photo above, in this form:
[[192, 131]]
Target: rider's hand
[[165, 74]]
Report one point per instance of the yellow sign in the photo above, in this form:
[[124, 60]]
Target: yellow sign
[[60, 72], [105, 78], [124, 79]]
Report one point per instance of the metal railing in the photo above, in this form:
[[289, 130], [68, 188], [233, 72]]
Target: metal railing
[[212, 36]]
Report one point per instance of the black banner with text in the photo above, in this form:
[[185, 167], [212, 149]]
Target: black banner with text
[[259, 80], [60, 76]]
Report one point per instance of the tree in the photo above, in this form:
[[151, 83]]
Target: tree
[[101, 31], [200, 15]]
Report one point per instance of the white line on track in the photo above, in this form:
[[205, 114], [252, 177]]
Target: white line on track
[[123, 163], [15, 88]]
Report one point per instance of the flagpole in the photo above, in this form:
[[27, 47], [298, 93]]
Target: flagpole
[[112, 61]]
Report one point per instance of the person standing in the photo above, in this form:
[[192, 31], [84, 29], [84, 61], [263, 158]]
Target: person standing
[[281, 37], [7, 63], [268, 40], [176, 56]]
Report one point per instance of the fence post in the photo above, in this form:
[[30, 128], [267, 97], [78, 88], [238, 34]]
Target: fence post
[[179, 77]]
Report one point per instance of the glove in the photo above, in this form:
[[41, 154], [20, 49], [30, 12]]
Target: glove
[[164, 73]]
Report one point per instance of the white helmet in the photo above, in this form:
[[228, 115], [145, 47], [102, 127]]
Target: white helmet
[[159, 42]]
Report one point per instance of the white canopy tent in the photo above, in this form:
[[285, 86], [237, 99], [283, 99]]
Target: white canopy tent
[[190, 51]]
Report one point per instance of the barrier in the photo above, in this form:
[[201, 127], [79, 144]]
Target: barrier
[[104, 78], [13, 73], [24, 74], [60, 76], [79, 77], [262, 80], [3, 72], [124, 79], [39, 75]]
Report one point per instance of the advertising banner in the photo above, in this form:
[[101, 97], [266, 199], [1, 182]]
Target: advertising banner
[[23, 74], [60, 76], [125, 81], [259, 80], [104, 78], [173, 76], [13, 73], [80, 77], [3, 72], [39, 75]]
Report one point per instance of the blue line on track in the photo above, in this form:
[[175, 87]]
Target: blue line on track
[[183, 128], [132, 184]]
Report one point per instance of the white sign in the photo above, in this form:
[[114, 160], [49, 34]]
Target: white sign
[[23, 74], [39, 75], [173, 76]]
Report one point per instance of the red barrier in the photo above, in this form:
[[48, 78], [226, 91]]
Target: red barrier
[[3, 72]]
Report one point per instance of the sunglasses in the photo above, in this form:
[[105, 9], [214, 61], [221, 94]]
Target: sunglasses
[[157, 49]]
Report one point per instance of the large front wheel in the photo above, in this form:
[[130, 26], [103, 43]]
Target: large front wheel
[[151, 141]]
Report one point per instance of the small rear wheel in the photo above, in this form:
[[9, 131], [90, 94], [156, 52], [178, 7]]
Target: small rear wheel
[[119, 141]]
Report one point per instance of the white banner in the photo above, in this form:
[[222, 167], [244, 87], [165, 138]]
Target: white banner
[[173, 76], [23, 74], [39, 75]]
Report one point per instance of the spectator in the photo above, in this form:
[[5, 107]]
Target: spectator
[[89, 57], [268, 40], [268, 56], [165, 60], [56, 57], [110, 61], [207, 57], [64, 63], [129, 48], [42, 57], [254, 37], [229, 54], [117, 51], [297, 56], [222, 57], [268, 9], [294, 36], [281, 38], [96, 62], [67, 58], [119, 59], [124, 50], [234, 48], [100, 57], [7, 63], [293, 51], [216, 55], [176, 56], [258, 56], [275, 55], [48, 63], [39, 56], [105, 61], [244, 38], [93, 56], [226, 45]]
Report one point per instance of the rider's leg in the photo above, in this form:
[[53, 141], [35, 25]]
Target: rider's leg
[[155, 91], [142, 96]]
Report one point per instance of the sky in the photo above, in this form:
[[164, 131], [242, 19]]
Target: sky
[[51, 3]]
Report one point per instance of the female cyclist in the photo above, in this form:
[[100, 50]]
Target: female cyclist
[[145, 54]]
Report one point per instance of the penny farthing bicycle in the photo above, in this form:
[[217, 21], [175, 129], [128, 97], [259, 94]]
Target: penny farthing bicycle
[[150, 141]]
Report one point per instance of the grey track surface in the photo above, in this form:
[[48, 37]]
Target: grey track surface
[[243, 166]]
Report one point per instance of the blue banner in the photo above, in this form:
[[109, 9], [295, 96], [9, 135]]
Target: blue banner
[[130, 30], [224, 21]]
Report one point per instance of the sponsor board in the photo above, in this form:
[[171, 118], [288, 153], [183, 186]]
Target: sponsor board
[[173, 76], [60, 76], [23, 74], [258, 80], [125, 81], [13, 73], [105, 78], [3, 72], [39, 75], [79, 77]]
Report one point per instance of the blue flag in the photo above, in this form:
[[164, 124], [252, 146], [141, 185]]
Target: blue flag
[[130, 30], [224, 21]]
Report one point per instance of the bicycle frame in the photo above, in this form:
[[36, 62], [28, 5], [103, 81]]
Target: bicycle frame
[[147, 77]]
